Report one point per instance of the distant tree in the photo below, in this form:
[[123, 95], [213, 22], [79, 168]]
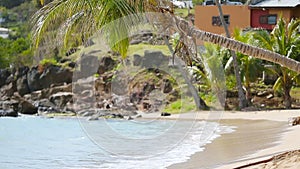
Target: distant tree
[[11, 3]]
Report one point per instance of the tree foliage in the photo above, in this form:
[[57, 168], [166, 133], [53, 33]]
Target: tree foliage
[[285, 40]]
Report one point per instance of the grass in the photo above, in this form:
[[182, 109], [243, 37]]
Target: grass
[[140, 49], [295, 93], [183, 12], [181, 106]]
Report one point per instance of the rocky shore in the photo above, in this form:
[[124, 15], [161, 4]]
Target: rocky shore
[[104, 92]]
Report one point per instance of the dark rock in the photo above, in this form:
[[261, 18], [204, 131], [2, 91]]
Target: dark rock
[[43, 103], [120, 116], [137, 60], [8, 90], [9, 113], [165, 114], [61, 99], [106, 64], [294, 121], [9, 104], [89, 65], [129, 118], [22, 85], [166, 86], [22, 71], [72, 64], [146, 106], [147, 88], [52, 74], [26, 107], [4, 74], [135, 97], [154, 59], [33, 78], [55, 75]]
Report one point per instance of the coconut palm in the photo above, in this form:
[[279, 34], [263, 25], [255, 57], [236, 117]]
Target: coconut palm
[[88, 15], [284, 40], [250, 67], [242, 99], [212, 60], [77, 20]]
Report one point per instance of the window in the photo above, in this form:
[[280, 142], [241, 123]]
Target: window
[[216, 21], [268, 19]]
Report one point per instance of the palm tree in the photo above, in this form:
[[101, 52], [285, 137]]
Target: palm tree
[[79, 19], [86, 16], [284, 40], [242, 99], [250, 67], [212, 60]]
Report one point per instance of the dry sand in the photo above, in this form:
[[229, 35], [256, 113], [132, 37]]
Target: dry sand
[[259, 136]]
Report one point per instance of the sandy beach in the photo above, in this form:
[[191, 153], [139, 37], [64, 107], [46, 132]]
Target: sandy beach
[[259, 137]]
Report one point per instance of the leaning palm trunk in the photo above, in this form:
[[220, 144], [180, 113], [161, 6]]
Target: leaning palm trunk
[[243, 102], [200, 103], [182, 26]]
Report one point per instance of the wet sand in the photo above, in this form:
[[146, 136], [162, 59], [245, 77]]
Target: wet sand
[[258, 136]]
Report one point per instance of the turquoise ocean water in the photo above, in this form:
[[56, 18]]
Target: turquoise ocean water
[[31, 142]]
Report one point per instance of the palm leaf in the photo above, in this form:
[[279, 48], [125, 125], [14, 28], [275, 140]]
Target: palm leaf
[[278, 84]]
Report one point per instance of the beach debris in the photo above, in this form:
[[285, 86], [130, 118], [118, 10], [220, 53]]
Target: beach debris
[[138, 116], [129, 118], [165, 114], [270, 96]]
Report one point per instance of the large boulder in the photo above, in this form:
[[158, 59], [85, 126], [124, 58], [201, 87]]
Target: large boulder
[[9, 112], [55, 75], [51, 75], [61, 99], [8, 90], [9, 108], [89, 65], [26, 107], [33, 77], [154, 59], [22, 86], [4, 74]]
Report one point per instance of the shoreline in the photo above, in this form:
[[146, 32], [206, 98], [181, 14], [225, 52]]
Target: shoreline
[[259, 136], [278, 137]]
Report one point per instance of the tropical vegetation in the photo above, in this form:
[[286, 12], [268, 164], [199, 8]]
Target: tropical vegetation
[[57, 33], [285, 40]]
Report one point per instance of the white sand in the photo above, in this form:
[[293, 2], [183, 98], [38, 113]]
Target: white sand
[[287, 141]]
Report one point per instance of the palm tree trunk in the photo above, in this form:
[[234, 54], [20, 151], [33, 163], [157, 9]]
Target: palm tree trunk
[[200, 103], [242, 98], [182, 26], [287, 98]]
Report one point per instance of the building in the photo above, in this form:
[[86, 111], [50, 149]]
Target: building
[[4, 32], [207, 18], [264, 14], [260, 14]]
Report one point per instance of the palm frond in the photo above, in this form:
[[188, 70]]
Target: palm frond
[[278, 84]]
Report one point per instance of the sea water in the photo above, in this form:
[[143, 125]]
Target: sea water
[[35, 142]]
